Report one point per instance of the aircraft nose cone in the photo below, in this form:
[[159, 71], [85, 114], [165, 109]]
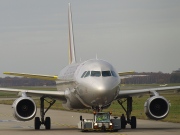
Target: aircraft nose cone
[[102, 87], [104, 92]]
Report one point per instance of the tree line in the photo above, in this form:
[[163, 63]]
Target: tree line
[[23, 81], [138, 78], [152, 77]]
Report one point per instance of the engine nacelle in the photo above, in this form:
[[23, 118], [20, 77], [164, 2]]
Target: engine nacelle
[[156, 107], [24, 109]]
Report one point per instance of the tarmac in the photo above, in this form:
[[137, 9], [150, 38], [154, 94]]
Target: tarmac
[[65, 123]]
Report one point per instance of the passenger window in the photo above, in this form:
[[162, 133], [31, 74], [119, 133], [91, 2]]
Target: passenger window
[[106, 73], [113, 74], [83, 74], [87, 74], [95, 73]]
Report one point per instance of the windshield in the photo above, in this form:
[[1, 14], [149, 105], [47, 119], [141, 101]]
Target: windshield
[[83, 74], [98, 74], [87, 74], [95, 73], [102, 117], [106, 73], [113, 73]]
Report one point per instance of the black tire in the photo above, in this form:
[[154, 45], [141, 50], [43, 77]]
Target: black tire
[[123, 122], [48, 123], [133, 122], [103, 128], [37, 123]]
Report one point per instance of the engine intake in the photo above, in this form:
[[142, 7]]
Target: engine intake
[[24, 108], [156, 107]]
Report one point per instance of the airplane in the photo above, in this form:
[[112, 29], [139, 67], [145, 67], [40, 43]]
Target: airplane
[[91, 84]]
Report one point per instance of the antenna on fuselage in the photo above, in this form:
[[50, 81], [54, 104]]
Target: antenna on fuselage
[[96, 57], [72, 55]]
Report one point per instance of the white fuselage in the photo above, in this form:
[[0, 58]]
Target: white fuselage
[[90, 84]]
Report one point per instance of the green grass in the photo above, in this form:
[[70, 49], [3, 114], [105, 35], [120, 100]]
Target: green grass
[[138, 103], [138, 108]]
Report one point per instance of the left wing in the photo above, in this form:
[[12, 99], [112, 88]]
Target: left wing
[[129, 74], [126, 73], [140, 92], [38, 93], [38, 76]]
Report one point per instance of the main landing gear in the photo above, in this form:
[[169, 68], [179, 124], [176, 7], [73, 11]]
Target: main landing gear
[[130, 119], [47, 121]]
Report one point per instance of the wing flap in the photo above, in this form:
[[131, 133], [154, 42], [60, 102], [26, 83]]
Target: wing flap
[[38, 76]]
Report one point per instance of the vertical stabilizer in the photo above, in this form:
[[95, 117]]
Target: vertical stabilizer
[[72, 55]]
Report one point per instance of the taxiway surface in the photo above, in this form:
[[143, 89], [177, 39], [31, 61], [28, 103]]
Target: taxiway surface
[[65, 123]]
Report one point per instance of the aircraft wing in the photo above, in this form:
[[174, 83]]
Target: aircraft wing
[[38, 76], [126, 73], [37, 93], [140, 92]]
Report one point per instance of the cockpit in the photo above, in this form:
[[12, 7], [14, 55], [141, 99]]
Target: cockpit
[[98, 74]]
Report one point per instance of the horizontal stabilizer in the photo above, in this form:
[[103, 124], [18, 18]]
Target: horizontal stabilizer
[[44, 77]]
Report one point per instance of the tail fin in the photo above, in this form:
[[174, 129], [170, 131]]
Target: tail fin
[[72, 55]]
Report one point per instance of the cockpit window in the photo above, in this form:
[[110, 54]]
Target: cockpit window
[[106, 73], [95, 73], [113, 74], [87, 74], [83, 74], [98, 73]]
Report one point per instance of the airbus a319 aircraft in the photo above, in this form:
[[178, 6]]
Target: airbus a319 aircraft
[[92, 84]]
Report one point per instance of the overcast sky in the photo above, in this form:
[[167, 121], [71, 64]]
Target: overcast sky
[[140, 35]]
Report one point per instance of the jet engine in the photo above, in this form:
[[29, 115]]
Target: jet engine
[[24, 108], [156, 107]]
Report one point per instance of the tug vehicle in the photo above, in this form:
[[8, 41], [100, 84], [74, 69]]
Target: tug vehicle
[[102, 121]]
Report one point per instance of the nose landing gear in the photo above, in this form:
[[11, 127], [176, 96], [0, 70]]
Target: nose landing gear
[[97, 109]]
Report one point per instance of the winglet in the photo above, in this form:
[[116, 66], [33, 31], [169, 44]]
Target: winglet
[[72, 55]]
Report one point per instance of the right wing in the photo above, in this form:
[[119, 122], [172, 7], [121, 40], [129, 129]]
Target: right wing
[[38, 76], [37, 93]]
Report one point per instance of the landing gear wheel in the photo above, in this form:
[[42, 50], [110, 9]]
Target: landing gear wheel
[[37, 123], [47, 123], [123, 122], [129, 120], [133, 122]]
